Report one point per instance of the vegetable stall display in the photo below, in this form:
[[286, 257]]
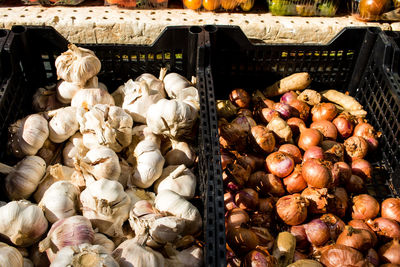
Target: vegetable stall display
[[103, 179], [295, 170]]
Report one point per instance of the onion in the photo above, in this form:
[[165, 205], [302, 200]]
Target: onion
[[391, 209], [344, 171], [229, 201], [280, 164], [344, 125], [317, 173], [314, 152], [372, 257], [364, 207], [237, 173], [390, 252], [283, 110], [334, 223], [267, 114], [296, 125], [240, 98], [323, 111], [298, 256], [258, 258], [253, 161], [264, 237], [295, 183], [232, 186], [362, 168], [317, 198], [241, 240], [262, 139], [364, 129], [236, 217], [266, 205], [327, 129], [266, 183], [299, 232], [360, 224], [356, 147], [268, 102], [355, 185], [226, 158], [292, 209], [300, 109], [359, 239], [232, 260], [341, 255], [309, 138], [339, 203], [385, 228], [261, 219], [317, 232], [293, 151], [333, 151], [245, 112], [247, 199], [304, 262], [288, 97]]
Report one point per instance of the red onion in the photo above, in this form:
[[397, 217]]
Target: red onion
[[292, 209], [295, 182], [300, 109], [309, 138], [226, 158], [240, 98], [355, 185], [373, 143], [299, 233], [266, 205], [339, 203], [341, 255], [258, 258], [236, 217], [232, 186], [293, 151], [314, 152], [359, 239], [356, 147], [372, 257], [280, 164], [283, 110], [326, 128], [317, 232], [317, 173], [244, 122], [344, 171], [262, 139], [296, 125], [241, 240], [229, 201], [360, 224], [385, 228], [267, 114], [323, 111], [247, 199], [334, 223], [317, 198], [390, 252], [391, 209], [344, 125], [288, 97], [362, 168], [333, 151], [364, 207], [364, 129], [266, 183]]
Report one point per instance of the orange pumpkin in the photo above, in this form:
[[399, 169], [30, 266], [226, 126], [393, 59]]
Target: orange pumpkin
[[211, 4], [192, 4], [229, 4]]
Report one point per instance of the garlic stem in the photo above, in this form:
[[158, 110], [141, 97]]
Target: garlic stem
[[5, 169], [163, 72], [177, 172]]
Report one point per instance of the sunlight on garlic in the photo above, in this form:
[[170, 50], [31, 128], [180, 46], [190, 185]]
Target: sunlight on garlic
[[181, 153], [10, 256], [87, 98]]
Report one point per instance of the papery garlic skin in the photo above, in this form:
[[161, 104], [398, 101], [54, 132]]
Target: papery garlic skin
[[126, 171], [106, 204], [66, 91], [87, 98], [73, 149], [10, 256], [104, 241], [173, 118], [173, 83], [84, 255], [28, 135], [166, 229], [101, 162], [22, 222], [190, 257], [45, 99], [105, 125], [38, 258], [177, 178], [169, 201], [23, 181], [127, 88], [77, 65], [27, 262], [129, 253], [63, 124], [60, 201], [156, 86], [137, 194], [181, 153], [49, 152]]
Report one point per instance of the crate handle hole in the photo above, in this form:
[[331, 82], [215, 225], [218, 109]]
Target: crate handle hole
[[3, 33], [18, 29], [210, 28], [195, 29]]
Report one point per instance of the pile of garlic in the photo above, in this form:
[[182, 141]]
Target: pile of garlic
[[103, 179]]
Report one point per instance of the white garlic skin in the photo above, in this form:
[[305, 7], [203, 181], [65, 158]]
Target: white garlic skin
[[10, 256], [84, 255], [73, 149], [181, 153], [45, 99], [87, 98], [137, 194], [104, 241], [23, 181], [102, 162], [28, 135], [166, 229], [27, 262], [106, 204], [191, 257], [60, 201], [155, 85], [66, 91], [63, 124], [173, 83], [22, 222]]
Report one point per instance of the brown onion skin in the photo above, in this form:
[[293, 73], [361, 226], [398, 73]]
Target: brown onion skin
[[317, 198], [356, 147], [261, 139], [302, 110], [226, 158], [364, 207], [344, 171], [261, 219], [317, 173], [324, 111], [267, 114], [293, 151], [389, 265], [299, 232], [299, 256], [229, 201], [265, 239], [391, 209], [266, 205], [232, 260], [266, 183], [333, 151], [314, 152], [296, 125], [237, 173], [390, 252], [245, 112], [258, 258], [364, 129], [279, 164], [372, 257], [241, 240], [359, 239], [326, 128], [344, 126], [334, 223], [295, 183], [317, 232], [362, 168], [240, 98], [385, 228], [360, 224], [292, 209], [236, 217], [247, 199], [308, 138], [338, 204], [355, 185], [341, 255]]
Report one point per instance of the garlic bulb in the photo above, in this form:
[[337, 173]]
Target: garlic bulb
[[104, 241], [177, 178], [102, 163], [190, 257], [131, 253], [24, 251], [45, 99], [126, 171], [105, 125], [155, 85], [137, 136], [173, 83], [60, 201], [84, 255], [149, 161], [137, 102], [27, 263], [10, 256], [22, 222], [181, 153], [123, 90], [106, 204], [74, 148], [49, 152], [173, 118], [38, 258], [77, 65], [66, 91], [63, 124], [169, 201], [53, 174], [2, 203], [137, 194], [28, 135], [87, 98], [24, 178], [70, 231]]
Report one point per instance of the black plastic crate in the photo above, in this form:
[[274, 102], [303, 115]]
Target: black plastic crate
[[32, 51], [357, 60]]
